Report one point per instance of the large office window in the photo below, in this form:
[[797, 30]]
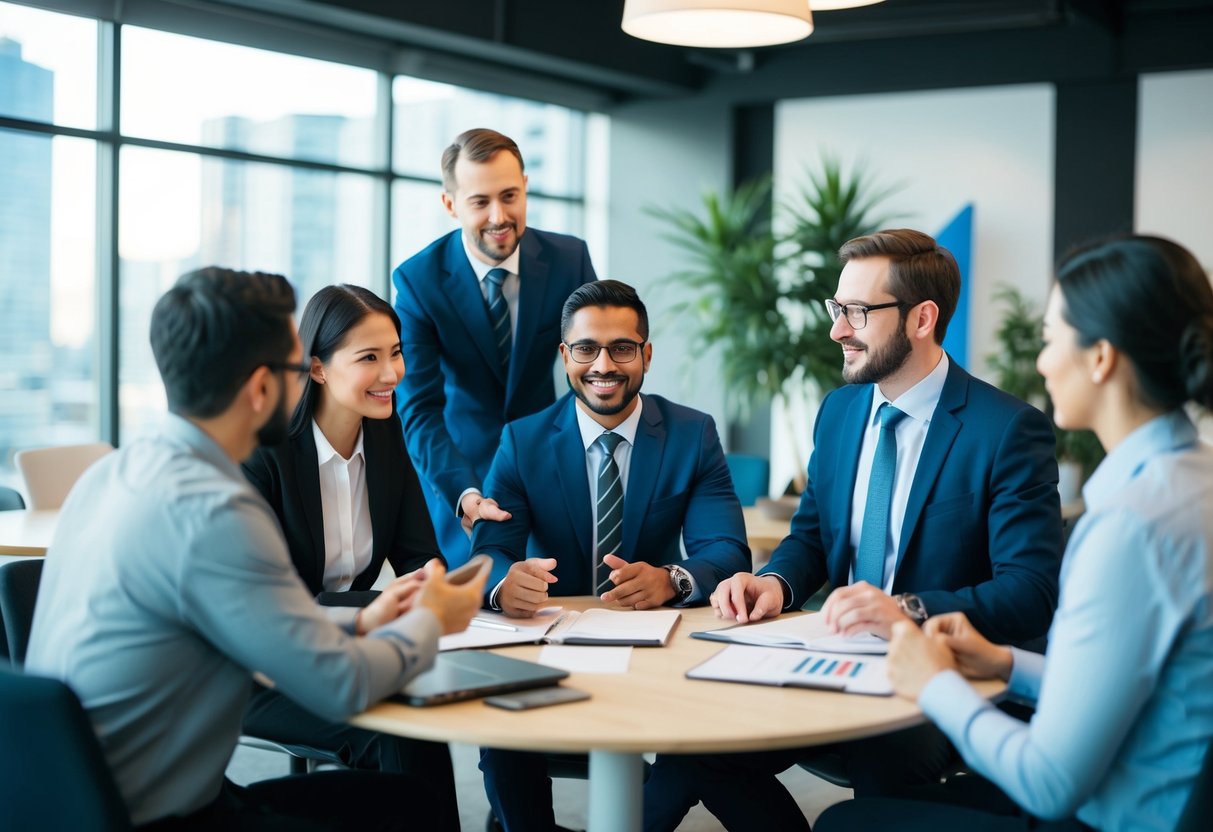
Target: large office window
[[215, 153]]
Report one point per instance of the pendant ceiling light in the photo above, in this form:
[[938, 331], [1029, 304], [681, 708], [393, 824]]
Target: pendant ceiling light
[[728, 24]]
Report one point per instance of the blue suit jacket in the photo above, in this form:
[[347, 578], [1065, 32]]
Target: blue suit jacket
[[454, 398], [678, 487], [982, 528]]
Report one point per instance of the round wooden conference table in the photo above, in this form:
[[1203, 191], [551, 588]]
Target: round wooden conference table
[[27, 532], [653, 708]]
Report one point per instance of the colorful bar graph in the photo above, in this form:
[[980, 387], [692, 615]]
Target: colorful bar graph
[[823, 666]]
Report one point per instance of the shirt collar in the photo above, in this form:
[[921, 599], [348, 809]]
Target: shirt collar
[[324, 450], [480, 268], [1160, 435], [591, 430], [919, 401], [183, 430]]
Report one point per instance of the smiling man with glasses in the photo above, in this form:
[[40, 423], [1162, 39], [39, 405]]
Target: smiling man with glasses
[[602, 486], [929, 491]]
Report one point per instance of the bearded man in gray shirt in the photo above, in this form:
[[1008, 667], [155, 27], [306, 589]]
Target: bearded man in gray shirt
[[168, 584]]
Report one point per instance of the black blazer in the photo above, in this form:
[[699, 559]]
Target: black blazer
[[288, 476]]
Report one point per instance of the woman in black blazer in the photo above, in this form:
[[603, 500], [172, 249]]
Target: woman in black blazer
[[347, 508]]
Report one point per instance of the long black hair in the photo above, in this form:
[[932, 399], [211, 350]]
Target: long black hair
[[327, 320], [1149, 298]]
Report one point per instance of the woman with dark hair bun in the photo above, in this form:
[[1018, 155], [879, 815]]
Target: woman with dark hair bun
[[347, 498], [1124, 697]]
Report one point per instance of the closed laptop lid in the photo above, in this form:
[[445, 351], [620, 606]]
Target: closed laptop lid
[[468, 674]]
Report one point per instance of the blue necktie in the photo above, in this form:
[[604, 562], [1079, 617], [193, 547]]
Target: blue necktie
[[874, 535], [610, 510], [499, 313]]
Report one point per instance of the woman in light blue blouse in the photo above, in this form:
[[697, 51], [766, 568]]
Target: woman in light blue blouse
[[1124, 697]]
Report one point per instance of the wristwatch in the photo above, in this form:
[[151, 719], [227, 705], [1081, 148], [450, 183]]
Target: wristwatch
[[680, 580], [912, 607]]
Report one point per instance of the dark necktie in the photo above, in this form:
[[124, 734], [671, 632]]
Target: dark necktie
[[499, 313], [874, 535], [610, 510]]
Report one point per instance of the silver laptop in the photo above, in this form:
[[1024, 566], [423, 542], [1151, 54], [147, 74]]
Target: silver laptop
[[468, 674]]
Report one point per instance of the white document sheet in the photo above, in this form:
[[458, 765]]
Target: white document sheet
[[586, 659], [854, 673], [806, 632], [491, 629]]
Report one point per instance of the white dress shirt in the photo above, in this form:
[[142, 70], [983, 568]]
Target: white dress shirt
[[918, 403], [590, 431], [348, 539]]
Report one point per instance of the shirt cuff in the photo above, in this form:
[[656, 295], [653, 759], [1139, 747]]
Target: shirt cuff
[[418, 628], [787, 588], [493, 596], [951, 702], [459, 502], [1027, 669]]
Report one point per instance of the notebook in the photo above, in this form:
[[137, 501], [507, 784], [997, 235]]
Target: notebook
[[634, 628], [804, 632], [856, 673], [471, 674]]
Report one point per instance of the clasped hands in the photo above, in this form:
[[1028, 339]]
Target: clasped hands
[[453, 604], [638, 586]]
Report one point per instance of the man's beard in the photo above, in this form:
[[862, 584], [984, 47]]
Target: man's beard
[[881, 363], [629, 394], [487, 249], [273, 432]]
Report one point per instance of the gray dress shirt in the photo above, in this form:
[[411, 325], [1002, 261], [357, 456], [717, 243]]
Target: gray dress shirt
[[167, 585]]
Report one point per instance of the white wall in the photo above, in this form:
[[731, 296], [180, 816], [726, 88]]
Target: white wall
[[991, 146], [665, 154], [1175, 159]]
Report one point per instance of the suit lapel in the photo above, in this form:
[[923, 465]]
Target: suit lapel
[[533, 283], [569, 454], [940, 436], [307, 480], [642, 476], [459, 284], [850, 444], [382, 492]]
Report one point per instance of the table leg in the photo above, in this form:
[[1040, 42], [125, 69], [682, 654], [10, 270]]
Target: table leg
[[616, 791]]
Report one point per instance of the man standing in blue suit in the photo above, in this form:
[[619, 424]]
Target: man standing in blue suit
[[601, 487], [929, 491], [479, 312]]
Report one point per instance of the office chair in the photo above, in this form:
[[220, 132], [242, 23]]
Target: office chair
[[50, 473], [10, 499], [751, 477], [54, 774]]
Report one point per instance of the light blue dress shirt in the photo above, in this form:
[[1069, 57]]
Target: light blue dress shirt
[[1124, 698], [167, 585]]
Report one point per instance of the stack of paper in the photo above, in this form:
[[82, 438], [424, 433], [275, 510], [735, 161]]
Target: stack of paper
[[804, 632], [854, 673]]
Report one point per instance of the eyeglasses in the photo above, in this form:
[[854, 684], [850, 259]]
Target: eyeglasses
[[857, 313], [621, 352]]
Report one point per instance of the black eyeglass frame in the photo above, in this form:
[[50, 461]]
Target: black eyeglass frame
[[842, 309], [300, 368], [636, 345]]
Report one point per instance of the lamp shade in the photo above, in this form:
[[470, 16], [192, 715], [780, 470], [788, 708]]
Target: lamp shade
[[729, 24]]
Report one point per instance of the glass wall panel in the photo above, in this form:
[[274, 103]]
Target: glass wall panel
[[429, 115], [48, 66], [48, 351], [181, 211], [182, 89]]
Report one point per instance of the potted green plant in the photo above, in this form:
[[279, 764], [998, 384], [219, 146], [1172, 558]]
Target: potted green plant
[[1014, 366], [758, 293]]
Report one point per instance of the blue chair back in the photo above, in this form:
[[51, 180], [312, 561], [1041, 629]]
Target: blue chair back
[[10, 499], [18, 592], [751, 477]]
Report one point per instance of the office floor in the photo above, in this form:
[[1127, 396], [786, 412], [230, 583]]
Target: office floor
[[813, 795]]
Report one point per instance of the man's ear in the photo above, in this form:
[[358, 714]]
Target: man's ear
[[647, 356], [448, 202], [923, 319], [257, 389]]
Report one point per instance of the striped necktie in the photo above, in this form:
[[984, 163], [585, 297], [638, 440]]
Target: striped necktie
[[499, 313], [874, 534], [610, 510]]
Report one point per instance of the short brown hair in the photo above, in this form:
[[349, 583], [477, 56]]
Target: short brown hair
[[476, 145], [919, 269]]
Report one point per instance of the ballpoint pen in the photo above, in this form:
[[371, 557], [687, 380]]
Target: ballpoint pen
[[493, 625]]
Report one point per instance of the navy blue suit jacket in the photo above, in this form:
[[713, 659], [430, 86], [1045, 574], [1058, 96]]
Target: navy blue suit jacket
[[678, 487], [982, 528], [454, 399]]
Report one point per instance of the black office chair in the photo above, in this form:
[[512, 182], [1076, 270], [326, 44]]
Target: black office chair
[[54, 774], [18, 592], [11, 499]]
